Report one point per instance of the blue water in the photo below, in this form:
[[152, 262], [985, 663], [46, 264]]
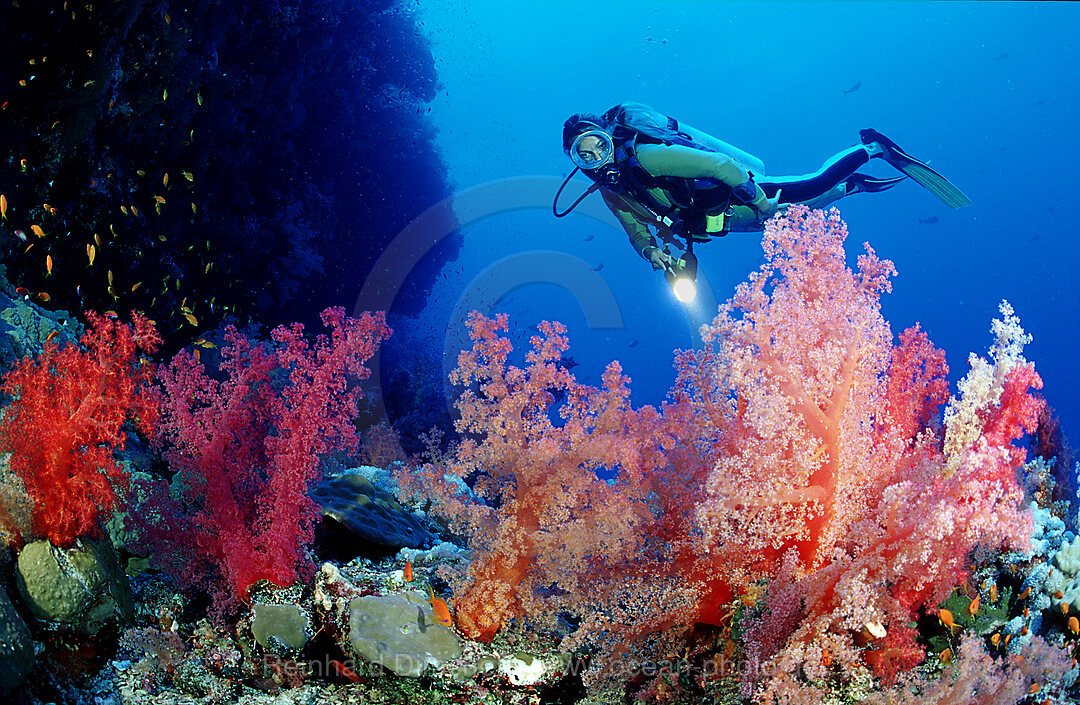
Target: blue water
[[987, 92]]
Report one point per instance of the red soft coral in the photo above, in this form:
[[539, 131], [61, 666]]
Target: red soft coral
[[66, 422], [247, 446]]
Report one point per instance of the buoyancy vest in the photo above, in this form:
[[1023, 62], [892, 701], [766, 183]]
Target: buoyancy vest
[[697, 206]]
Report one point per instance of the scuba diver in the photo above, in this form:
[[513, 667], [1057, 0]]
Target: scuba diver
[[658, 174]]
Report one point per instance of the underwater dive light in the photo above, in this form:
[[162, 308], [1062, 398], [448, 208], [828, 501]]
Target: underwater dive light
[[682, 278]]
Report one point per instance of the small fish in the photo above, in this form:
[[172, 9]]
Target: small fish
[[198, 357], [36, 229], [3, 206], [204, 343], [22, 291], [441, 609], [857, 86], [97, 239], [109, 276], [928, 220], [1074, 625], [140, 172], [159, 199], [88, 83], [134, 210], [634, 343], [993, 592], [406, 572], [193, 208], [1024, 595], [124, 210], [344, 671], [191, 318], [165, 179], [48, 265], [23, 163], [50, 336], [995, 639], [187, 175], [135, 286], [198, 99], [598, 267], [21, 234], [945, 656], [44, 296], [946, 618], [164, 95], [973, 608], [587, 238]]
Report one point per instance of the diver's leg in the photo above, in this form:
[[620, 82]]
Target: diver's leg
[[824, 185]]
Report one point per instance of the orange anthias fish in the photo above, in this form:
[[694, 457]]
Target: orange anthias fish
[[947, 619], [3, 206], [441, 609], [974, 606], [1074, 625], [406, 573], [48, 265]]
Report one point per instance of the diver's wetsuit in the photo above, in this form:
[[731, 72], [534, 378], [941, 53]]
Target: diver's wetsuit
[[659, 160]]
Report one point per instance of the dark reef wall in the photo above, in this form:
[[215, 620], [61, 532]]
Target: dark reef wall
[[212, 158]]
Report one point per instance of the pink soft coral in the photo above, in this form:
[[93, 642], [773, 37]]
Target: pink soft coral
[[828, 461], [794, 450], [66, 421], [247, 446]]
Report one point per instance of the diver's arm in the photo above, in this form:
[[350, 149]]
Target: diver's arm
[[690, 163], [640, 237]]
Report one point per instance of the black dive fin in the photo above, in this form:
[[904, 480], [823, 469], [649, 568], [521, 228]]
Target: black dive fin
[[920, 172], [861, 183]]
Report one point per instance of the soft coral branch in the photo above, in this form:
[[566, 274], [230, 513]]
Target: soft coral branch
[[248, 445], [66, 422]]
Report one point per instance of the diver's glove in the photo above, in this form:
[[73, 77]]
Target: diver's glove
[[658, 258], [766, 207]]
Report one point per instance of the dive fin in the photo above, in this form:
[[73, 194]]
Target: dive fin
[[861, 183], [920, 172]]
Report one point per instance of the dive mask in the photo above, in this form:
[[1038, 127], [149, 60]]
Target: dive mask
[[592, 150]]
